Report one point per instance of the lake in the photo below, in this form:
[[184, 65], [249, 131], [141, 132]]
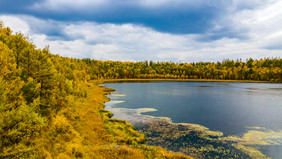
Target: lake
[[234, 109]]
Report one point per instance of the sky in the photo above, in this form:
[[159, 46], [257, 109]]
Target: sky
[[158, 30]]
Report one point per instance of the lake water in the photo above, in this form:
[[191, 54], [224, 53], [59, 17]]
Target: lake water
[[231, 108]]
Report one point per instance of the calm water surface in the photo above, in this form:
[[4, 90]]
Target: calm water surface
[[231, 108], [227, 107]]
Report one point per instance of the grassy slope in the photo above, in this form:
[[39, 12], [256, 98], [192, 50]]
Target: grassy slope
[[98, 136]]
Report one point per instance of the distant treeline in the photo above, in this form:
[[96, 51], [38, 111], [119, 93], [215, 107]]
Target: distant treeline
[[267, 69]]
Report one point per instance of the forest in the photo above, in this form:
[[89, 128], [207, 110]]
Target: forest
[[43, 98], [267, 69]]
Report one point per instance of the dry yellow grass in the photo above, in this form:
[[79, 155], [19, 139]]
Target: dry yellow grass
[[86, 131]]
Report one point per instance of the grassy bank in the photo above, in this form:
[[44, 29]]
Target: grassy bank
[[103, 137]]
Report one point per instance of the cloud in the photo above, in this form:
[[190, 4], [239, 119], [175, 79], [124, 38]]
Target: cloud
[[67, 5], [257, 34], [15, 6], [57, 5], [174, 17], [178, 16], [246, 4], [263, 25], [16, 24], [274, 41]]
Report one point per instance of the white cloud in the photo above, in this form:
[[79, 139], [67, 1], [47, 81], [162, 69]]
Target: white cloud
[[264, 25], [15, 23], [129, 42], [246, 4]]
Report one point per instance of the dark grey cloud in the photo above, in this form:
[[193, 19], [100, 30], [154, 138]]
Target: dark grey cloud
[[174, 17], [177, 17], [17, 6]]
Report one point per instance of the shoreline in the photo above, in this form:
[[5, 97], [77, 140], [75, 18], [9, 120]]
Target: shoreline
[[101, 81], [125, 134], [149, 118]]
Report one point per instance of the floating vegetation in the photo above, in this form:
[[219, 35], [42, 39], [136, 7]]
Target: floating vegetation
[[255, 128], [113, 102], [251, 151], [196, 140], [256, 137], [254, 88], [118, 95], [117, 101], [206, 86], [276, 89], [132, 115]]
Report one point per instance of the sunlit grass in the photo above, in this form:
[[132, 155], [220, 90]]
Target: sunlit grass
[[86, 130]]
